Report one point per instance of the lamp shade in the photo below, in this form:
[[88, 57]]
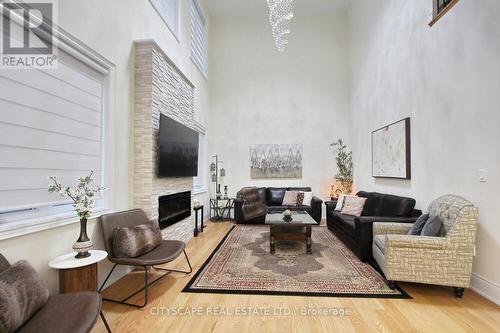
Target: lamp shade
[[222, 172], [214, 177], [212, 167]]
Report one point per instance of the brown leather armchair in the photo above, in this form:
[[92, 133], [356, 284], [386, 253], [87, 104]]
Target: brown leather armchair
[[166, 252], [73, 312]]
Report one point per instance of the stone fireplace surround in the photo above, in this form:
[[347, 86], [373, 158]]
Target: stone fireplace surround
[[160, 87]]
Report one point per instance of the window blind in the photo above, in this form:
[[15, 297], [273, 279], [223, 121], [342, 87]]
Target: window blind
[[169, 12], [50, 124], [198, 38]]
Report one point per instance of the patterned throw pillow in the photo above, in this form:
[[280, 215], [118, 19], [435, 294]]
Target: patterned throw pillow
[[353, 205], [131, 242], [290, 198], [340, 203], [300, 198], [307, 199]]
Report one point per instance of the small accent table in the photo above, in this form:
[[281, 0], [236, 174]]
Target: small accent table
[[221, 208], [76, 275], [196, 209]]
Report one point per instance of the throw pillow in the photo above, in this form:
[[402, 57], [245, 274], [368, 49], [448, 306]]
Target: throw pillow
[[340, 203], [416, 228], [22, 293], [308, 196], [432, 227], [290, 198], [300, 198], [131, 242], [353, 205]]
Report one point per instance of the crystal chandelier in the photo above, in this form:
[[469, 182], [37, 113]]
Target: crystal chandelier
[[280, 14]]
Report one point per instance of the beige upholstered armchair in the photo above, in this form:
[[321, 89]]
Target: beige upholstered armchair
[[444, 260]]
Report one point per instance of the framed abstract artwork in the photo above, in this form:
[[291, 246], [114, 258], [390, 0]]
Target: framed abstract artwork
[[275, 161], [391, 154]]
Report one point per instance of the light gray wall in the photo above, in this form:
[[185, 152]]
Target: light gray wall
[[447, 79], [259, 95]]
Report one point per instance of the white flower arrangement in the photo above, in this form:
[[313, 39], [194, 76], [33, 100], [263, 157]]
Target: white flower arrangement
[[83, 194]]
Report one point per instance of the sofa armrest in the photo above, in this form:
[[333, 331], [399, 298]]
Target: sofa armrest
[[316, 204], [384, 228], [417, 242]]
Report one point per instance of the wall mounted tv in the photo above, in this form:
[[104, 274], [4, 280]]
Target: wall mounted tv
[[178, 149]]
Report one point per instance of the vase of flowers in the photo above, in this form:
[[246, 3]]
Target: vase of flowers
[[83, 196]]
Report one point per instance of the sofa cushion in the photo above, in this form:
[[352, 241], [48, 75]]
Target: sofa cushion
[[345, 222], [276, 209], [379, 241], [290, 198], [275, 195], [416, 228], [22, 293], [301, 209], [308, 196], [262, 194], [299, 189], [396, 206], [131, 242], [353, 205], [372, 204], [432, 227]]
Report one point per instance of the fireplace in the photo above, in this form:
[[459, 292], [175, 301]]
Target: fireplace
[[173, 208]]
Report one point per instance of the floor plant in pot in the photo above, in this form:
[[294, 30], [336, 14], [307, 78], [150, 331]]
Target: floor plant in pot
[[83, 196], [344, 165]]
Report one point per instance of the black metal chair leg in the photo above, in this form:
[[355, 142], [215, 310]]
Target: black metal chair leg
[[175, 270], [107, 277], [105, 322]]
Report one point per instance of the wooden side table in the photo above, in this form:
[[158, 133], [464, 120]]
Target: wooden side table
[[196, 210], [77, 275]]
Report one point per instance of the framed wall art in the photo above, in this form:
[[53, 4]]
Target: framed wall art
[[391, 154]]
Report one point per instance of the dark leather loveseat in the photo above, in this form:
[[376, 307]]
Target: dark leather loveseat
[[273, 198], [357, 233]]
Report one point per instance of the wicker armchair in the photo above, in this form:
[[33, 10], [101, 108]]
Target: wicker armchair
[[444, 260]]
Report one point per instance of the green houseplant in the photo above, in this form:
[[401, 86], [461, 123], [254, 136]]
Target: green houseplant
[[344, 165]]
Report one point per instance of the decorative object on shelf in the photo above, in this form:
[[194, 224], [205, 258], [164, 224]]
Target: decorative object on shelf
[[225, 191], [83, 196], [275, 161], [287, 216], [280, 14], [336, 191], [217, 174], [196, 203], [221, 208], [391, 151], [344, 166]]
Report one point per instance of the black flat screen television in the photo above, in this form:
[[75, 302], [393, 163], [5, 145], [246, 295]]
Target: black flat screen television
[[178, 149]]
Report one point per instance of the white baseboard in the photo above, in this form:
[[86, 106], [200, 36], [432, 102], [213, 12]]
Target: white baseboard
[[485, 288]]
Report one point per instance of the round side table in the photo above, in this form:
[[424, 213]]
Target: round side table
[[76, 275]]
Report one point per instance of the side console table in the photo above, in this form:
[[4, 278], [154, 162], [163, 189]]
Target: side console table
[[220, 209], [196, 210]]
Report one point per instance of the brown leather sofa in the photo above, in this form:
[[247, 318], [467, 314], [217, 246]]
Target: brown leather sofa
[[357, 232], [273, 198]]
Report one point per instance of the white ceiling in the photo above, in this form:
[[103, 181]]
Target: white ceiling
[[259, 7]]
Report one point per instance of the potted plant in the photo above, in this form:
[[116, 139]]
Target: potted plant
[[83, 196], [344, 165]]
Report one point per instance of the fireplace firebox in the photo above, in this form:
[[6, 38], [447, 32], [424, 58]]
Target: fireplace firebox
[[173, 208]]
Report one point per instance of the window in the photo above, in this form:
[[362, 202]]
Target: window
[[440, 8], [169, 12], [51, 123], [199, 182], [199, 39]]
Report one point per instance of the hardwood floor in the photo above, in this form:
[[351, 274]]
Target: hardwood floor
[[432, 309]]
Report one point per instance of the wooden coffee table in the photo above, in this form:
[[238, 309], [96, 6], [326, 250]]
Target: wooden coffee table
[[297, 229]]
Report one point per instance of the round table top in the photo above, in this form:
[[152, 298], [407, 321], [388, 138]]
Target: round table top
[[68, 260]]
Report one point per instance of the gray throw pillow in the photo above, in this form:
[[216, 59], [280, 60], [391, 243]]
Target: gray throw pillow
[[22, 293], [131, 242], [416, 229], [432, 227]]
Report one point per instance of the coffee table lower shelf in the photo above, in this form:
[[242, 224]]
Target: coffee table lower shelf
[[299, 233]]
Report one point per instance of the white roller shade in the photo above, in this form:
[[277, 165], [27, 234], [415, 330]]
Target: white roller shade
[[199, 42]]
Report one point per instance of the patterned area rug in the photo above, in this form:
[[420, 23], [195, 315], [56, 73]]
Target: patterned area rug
[[242, 264]]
